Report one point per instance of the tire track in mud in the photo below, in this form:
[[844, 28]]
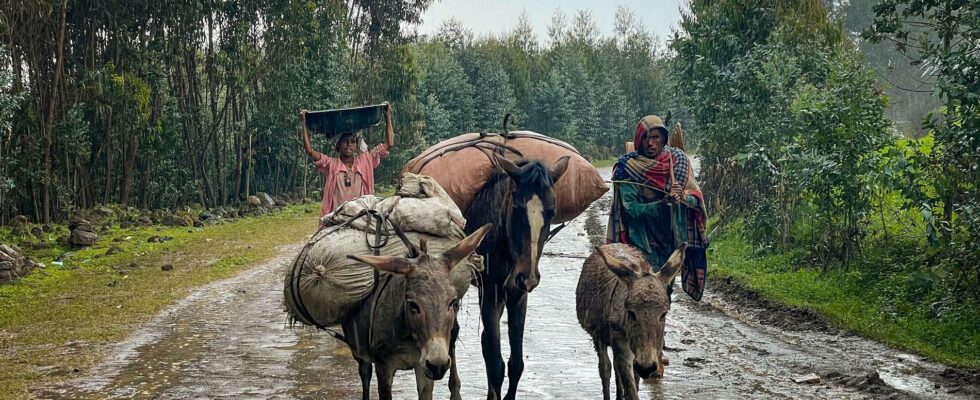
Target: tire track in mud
[[229, 340]]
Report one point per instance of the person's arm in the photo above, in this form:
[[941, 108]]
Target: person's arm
[[390, 127], [633, 202], [305, 137], [682, 167]]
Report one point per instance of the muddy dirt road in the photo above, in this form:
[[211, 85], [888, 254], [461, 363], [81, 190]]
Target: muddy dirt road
[[229, 340]]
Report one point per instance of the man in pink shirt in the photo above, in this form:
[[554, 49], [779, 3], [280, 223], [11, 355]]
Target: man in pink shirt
[[351, 175]]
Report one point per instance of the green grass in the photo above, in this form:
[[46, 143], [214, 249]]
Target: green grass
[[61, 318], [384, 190], [877, 305], [606, 163]]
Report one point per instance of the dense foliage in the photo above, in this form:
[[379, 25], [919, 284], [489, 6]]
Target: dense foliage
[[942, 38], [163, 104], [790, 104]]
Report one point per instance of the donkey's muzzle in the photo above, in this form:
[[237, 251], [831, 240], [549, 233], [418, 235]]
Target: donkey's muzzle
[[435, 358], [647, 372], [435, 371]]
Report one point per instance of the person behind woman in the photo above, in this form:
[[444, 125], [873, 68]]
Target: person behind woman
[[657, 205], [351, 174]]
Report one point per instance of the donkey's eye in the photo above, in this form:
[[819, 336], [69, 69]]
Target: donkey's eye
[[663, 317], [454, 305], [414, 307], [631, 315]]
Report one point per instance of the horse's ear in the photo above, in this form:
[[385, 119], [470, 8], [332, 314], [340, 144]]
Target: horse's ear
[[394, 265], [617, 267], [465, 247], [508, 166], [560, 167], [673, 265]]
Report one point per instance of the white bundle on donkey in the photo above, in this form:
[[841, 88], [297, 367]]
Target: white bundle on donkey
[[323, 286]]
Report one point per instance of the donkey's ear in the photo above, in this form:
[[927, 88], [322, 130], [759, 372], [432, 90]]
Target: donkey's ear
[[621, 270], [466, 246], [673, 265], [508, 166], [394, 265], [560, 167]]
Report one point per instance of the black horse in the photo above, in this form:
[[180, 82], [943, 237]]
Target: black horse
[[520, 202]]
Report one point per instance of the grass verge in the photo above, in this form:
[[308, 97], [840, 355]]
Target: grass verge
[[876, 305], [606, 163], [56, 322]]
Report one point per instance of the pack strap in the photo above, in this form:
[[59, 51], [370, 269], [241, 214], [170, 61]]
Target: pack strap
[[488, 143], [555, 231]]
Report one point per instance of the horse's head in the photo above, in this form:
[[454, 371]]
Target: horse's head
[[529, 217], [430, 298], [646, 302]]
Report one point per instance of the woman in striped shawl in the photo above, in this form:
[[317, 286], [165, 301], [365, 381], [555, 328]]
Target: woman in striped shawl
[[657, 205]]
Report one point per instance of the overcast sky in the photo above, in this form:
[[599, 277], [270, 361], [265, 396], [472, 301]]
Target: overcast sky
[[496, 16]]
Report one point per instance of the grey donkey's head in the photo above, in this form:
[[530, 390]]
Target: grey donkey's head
[[646, 302], [431, 301]]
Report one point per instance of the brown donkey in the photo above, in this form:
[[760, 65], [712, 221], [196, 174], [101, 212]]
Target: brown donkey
[[407, 321], [622, 304]]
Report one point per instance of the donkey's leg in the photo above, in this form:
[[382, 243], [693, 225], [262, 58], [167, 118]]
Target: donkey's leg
[[423, 384], [364, 370], [516, 315], [491, 308], [385, 377], [454, 383], [623, 362], [619, 383], [605, 367]]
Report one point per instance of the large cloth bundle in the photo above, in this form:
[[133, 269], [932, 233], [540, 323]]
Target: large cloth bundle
[[463, 164], [324, 285]]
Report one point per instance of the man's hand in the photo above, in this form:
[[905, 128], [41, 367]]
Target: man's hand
[[302, 115], [387, 111], [676, 193]]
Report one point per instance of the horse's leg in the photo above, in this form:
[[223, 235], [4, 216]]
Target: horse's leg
[[491, 308], [454, 383], [623, 362], [385, 377], [423, 384], [605, 366], [516, 314], [364, 370]]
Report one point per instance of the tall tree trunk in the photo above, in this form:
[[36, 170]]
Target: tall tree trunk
[[128, 166], [49, 116], [108, 159], [239, 148], [248, 173]]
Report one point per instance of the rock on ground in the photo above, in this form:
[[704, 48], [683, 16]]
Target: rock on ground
[[13, 264], [266, 199], [177, 220]]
